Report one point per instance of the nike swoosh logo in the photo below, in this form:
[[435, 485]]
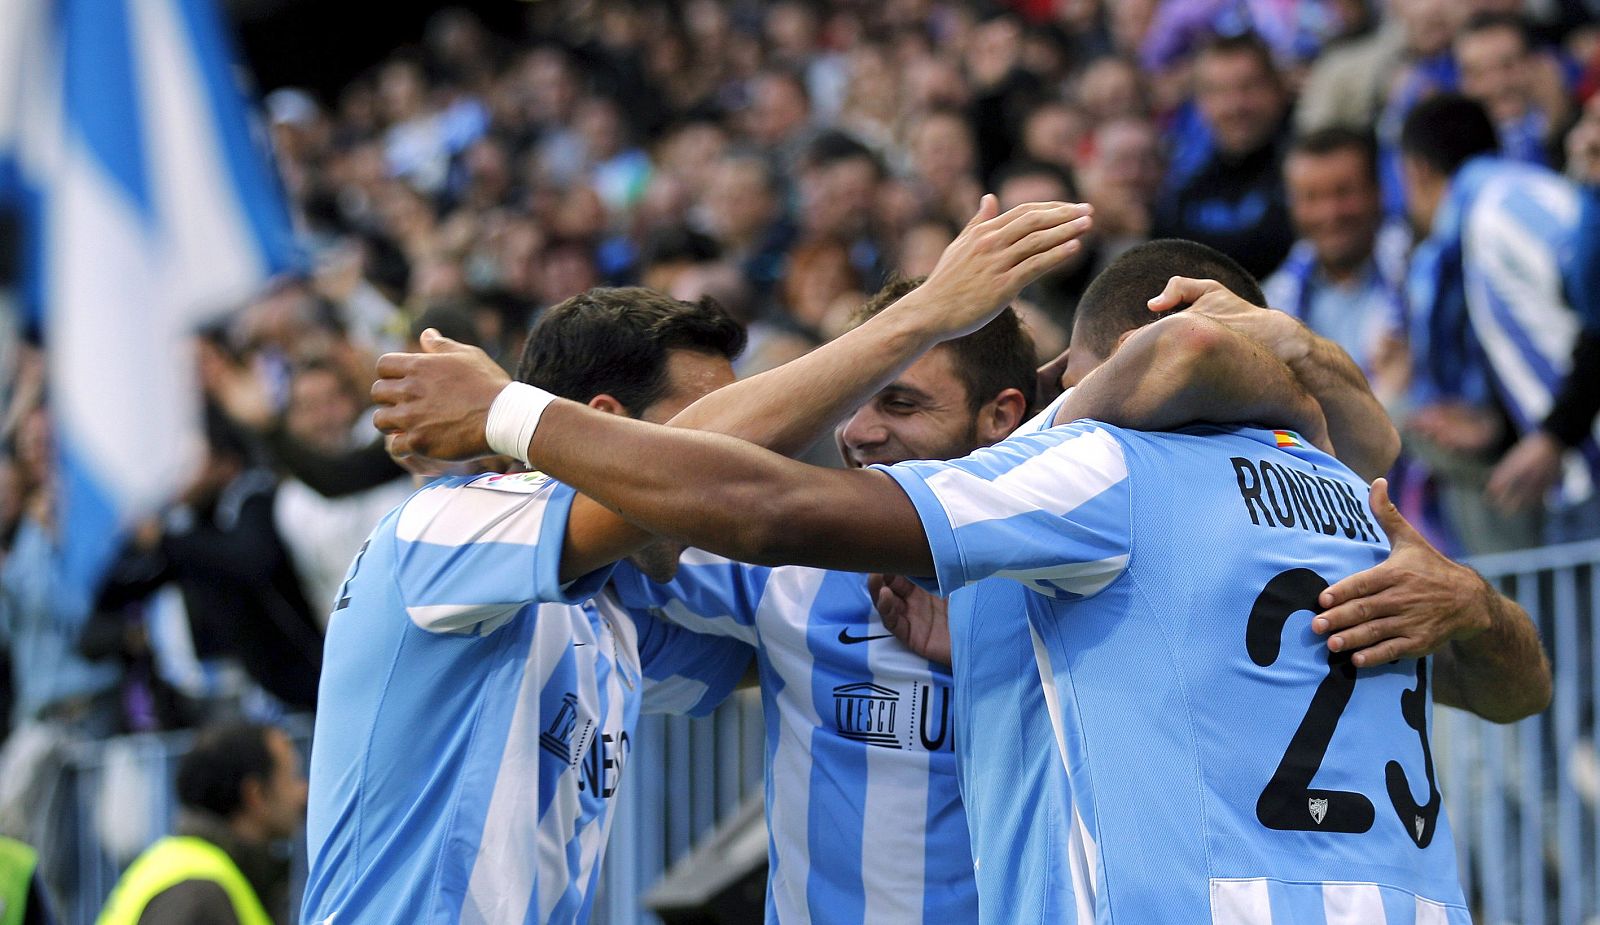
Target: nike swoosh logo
[[847, 639]]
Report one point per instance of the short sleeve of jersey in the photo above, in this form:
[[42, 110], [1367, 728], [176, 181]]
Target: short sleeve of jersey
[[1048, 509], [471, 552], [709, 594], [685, 671]]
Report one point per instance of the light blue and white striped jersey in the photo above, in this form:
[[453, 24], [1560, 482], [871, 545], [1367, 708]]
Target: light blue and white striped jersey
[[1003, 732], [864, 816], [1225, 768], [1489, 300], [475, 715]]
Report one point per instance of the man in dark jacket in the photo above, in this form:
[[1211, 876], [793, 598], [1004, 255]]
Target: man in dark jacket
[[1233, 199]]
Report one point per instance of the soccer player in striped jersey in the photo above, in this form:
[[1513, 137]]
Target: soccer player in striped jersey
[[1184, 821], [481, 685], [864, 811]]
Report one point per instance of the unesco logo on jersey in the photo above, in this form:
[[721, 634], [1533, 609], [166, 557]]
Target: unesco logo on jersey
[[889, 718]]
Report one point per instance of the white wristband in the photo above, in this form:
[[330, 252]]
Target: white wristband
[[513, 417]]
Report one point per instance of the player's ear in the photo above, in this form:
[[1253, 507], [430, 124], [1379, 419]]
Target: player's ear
[[609, 405], [1001, 415]]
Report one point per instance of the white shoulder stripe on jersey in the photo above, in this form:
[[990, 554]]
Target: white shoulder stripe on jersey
[[1085, 578], [463, 619], [461, 515], [1094, 460]]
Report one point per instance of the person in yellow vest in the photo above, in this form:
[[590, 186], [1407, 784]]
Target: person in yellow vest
[[22, 899], [241, 794]]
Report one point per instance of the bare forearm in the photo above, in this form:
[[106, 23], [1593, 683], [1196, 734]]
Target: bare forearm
[[1363, 436], [731, 497], [787, 408], [1189, 369], [1501, 674]]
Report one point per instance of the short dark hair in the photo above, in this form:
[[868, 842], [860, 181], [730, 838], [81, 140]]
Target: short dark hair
[[1446, 131], [1489, 21], [1026, 167], [1336, 138], [998, 356], [1246, 43], [833, 147], [615, 342], [1118, 300], [211, 775]]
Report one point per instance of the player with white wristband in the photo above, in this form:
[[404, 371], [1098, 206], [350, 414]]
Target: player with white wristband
[[475, 650], [513, 417]]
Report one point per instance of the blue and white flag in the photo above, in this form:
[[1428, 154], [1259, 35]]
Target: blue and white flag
[[149, 209]]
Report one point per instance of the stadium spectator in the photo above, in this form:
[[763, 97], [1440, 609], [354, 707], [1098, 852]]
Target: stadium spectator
[[244, 601], [1501, 407], [1583, 165], [743, 212], [1345, 276], [1052, 132], [323, 534], [241, 794], [1352, 83], [59, 697], [1120, 172], [42, 613], [1056, 293], [1502, 70], [942, 162], [1234, 199], [778, 119], [1111, 87]]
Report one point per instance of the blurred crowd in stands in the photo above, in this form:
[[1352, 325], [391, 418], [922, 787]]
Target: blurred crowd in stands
[[787, 159]]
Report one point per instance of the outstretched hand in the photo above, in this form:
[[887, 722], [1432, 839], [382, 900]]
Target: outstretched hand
[[436, 403], [915, 617], [1409, 605], [995, 257]]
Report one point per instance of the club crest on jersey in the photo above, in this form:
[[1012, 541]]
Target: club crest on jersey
[[1319, 809]]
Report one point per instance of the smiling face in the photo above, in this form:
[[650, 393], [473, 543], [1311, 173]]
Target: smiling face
[[1496, 71], [925, 413], [1333, 198], [1240, 98]]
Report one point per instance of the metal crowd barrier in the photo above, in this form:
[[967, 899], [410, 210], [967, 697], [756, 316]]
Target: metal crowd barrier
[[684, 777], [1524, 799]]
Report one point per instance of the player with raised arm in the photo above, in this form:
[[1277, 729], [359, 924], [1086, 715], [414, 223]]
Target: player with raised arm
[[1137, 637], [482, 686]]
